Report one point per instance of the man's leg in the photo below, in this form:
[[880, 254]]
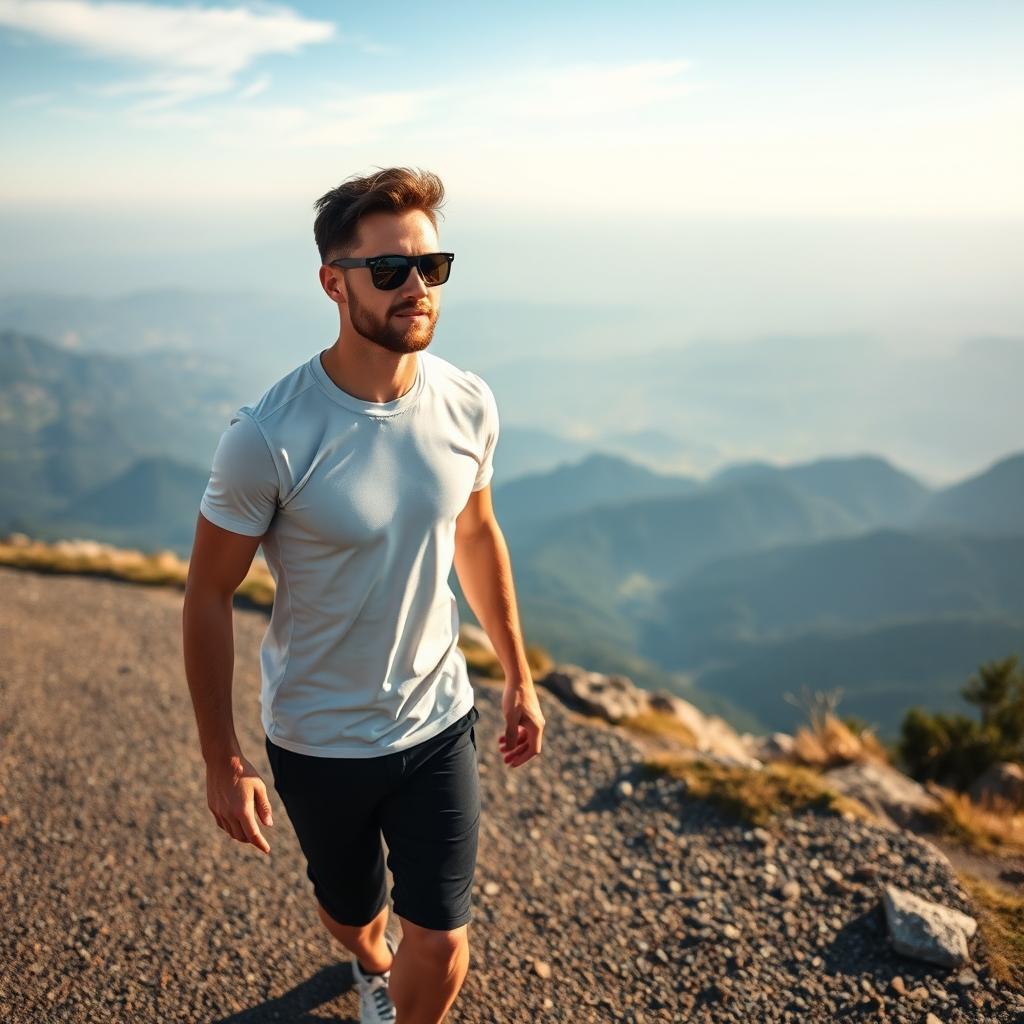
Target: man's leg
[[366, 941], [431, 824], [429, 969]]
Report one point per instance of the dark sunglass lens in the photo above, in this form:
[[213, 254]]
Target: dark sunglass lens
[[435, 268], [390, 273]]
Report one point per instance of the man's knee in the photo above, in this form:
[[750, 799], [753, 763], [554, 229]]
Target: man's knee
[[441, 944]]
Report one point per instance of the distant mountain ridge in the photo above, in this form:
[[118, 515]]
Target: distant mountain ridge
[[989, 502], [868, 486], [766, 557], [598, 479]]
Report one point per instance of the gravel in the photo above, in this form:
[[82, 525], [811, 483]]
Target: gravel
[[602, 894]]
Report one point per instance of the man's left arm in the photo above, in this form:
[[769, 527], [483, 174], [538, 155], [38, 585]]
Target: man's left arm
[[484, 568]]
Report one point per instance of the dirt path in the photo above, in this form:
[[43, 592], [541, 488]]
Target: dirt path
[[601, 895]]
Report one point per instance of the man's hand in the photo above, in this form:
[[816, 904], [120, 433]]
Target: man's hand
[[524, 723], [234, 790]]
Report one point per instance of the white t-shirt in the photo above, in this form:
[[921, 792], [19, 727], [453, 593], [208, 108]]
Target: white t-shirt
[[356, 502]]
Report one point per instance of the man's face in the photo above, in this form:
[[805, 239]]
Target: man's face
[[380, 316]]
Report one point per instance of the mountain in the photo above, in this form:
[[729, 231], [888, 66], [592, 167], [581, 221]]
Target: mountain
[[835, 585], [599, 555], [522, 451], [990, 502], [571, 488], [868, 486], [151, 505], [762, 561], [157, 499], [71, 422]]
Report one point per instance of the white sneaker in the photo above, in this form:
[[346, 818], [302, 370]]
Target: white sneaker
[[375, 1005]]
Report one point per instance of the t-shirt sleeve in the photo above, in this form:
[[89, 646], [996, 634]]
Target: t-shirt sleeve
[[490, 438], [242, 493]]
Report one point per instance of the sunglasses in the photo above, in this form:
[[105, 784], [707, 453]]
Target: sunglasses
[[390, 272]]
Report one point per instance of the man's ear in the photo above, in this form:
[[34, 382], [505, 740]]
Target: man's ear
[[332, 280]]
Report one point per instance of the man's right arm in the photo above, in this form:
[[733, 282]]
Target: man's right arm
[[219, 562], [236, 795], [235, 512]]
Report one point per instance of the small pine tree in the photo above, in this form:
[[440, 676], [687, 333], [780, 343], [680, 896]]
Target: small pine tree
[[954, 749], [998, 691]]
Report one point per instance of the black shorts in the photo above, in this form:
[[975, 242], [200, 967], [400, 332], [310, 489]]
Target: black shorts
[[426, 802]]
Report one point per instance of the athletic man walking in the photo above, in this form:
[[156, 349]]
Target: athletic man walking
[[365, 474]]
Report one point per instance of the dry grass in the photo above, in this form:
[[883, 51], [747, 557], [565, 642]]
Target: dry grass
[[1000, 918], [91, 558], [996, 827], [662, 726], [756, 795], [830, 742], [826, 741]]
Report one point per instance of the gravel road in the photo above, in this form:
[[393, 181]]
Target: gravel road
[[124, 902]]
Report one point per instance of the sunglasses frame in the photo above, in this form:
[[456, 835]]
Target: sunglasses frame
[[410, 262]]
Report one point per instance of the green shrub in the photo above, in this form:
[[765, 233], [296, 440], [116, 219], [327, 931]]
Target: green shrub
[[954, 749]]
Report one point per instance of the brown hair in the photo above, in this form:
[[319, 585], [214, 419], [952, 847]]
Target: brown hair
[[392, 189]]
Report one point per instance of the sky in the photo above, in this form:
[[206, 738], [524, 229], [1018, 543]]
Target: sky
[[221, 123], [729, 169], [751, 109]]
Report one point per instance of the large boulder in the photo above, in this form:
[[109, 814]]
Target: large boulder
[[926, 930]]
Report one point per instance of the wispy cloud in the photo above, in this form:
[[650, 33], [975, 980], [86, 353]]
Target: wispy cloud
[[570, 101], [192, 51]]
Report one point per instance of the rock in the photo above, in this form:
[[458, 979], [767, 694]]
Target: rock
[[611, 697], [791, 890], [925, 930], [1003, 781], [615, 697], [888, 793]]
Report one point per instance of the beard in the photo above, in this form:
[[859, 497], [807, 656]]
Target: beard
[[396, 334]]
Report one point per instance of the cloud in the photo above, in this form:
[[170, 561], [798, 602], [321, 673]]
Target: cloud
[[193, 51], [569, 101]]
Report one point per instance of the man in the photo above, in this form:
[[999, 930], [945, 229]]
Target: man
[[365, 474]]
